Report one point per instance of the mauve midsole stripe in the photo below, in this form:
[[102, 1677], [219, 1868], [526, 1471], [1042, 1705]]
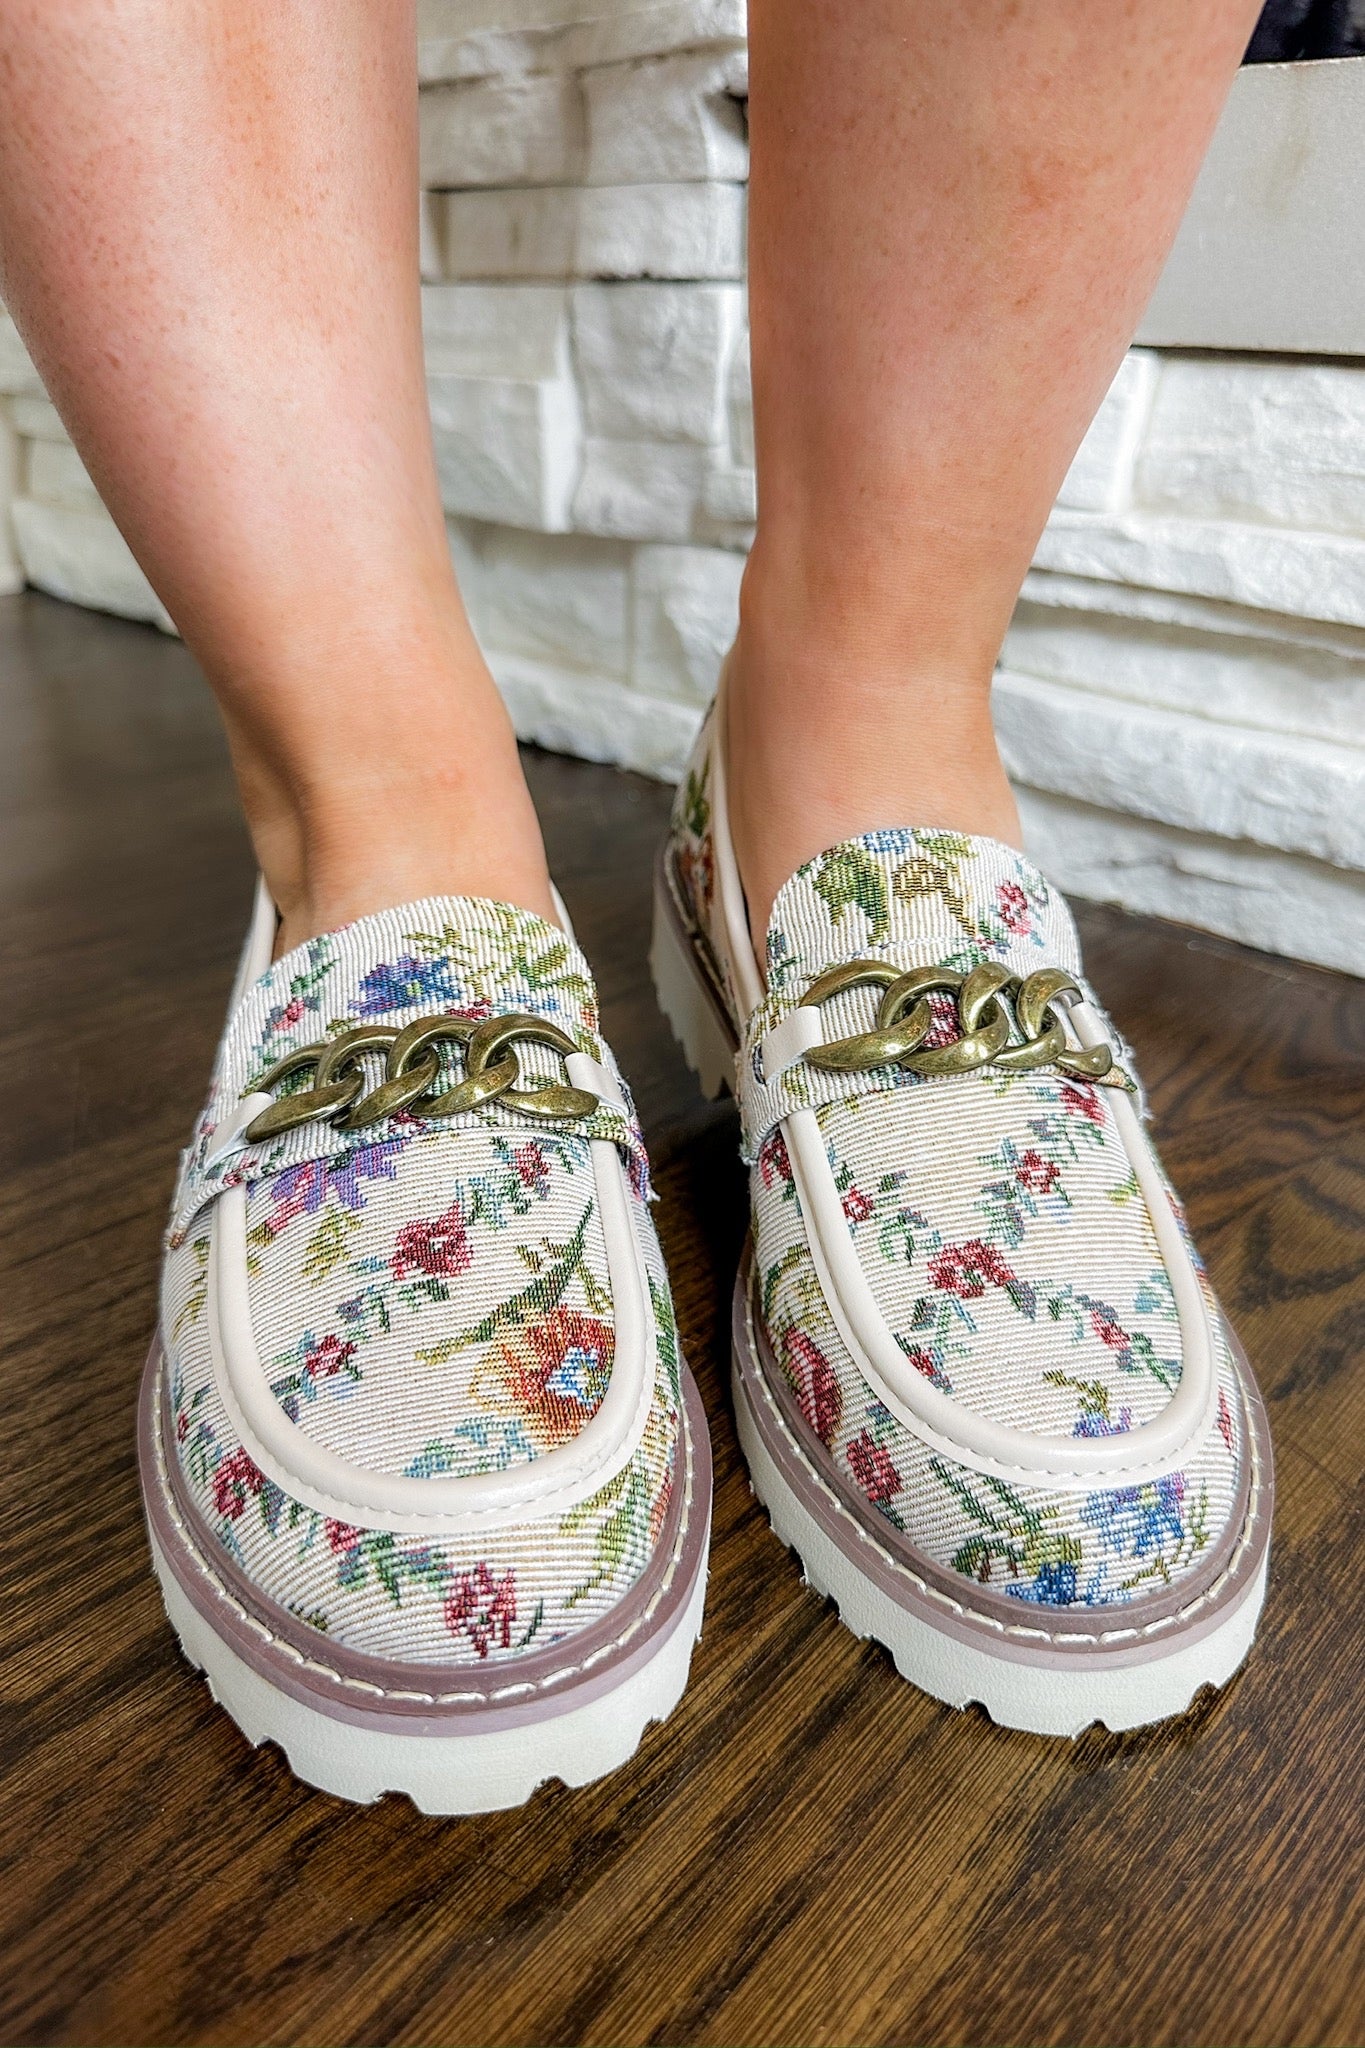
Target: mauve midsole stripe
[[581, 1668]]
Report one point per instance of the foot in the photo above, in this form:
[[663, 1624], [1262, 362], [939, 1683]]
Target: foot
[[427, 1479], [981, 1380]]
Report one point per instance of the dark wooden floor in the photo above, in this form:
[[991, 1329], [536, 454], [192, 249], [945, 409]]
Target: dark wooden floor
[[809, 1851]]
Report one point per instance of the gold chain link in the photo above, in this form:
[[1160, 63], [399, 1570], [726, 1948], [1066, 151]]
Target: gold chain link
[[990, 1002], [412, 1070]]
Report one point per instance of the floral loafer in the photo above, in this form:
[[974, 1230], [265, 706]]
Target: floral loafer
[[427, 1481], [981, 1381]]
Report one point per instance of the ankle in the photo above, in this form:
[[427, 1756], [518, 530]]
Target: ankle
[[438, 849], [838, 726], [344, 833]]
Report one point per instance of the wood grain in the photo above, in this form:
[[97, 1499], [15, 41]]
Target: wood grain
[[809, 1851]]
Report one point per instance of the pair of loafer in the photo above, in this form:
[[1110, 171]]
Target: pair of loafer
[[427, 1478]]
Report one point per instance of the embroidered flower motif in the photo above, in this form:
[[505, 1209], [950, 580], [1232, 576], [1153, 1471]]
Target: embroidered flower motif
[[440, 1248], [532, 1167], [943, 1028], [928, 1363], [968, 1269], [1038, 1175], [1053, 1585], [341, 1536], [857, 1206], [1224, 1419], [235, 1481], [325, 1360], [302, 1190], [557, 1370], [403, 983], [1081, 1099], [816, 1384], [1108, 1329], [1097, 1421], [773, 1162], [1136, 1521], [872, 1467], [482, 1608], [1013, 905]]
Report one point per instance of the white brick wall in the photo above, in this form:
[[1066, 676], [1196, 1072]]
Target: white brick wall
[[1181, 698]]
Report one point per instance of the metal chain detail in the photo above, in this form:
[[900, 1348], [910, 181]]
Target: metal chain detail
[[412, 1071], [991, 1005]]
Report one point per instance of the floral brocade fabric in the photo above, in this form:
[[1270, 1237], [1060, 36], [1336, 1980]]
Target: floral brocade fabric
[[428, 1298], [997, 1219]]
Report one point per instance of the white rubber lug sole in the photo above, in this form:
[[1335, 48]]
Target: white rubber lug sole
[[441, 1774], [1039, 1701], [684, 1002]]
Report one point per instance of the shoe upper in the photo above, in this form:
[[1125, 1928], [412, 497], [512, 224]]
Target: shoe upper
[[978, 1284], [423, 1373]]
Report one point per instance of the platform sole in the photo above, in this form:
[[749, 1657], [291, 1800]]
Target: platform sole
[[454, 1740], [1149, 1664]]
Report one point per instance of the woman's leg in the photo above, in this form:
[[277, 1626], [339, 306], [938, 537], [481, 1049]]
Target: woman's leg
[[208, 235], [956, 215]]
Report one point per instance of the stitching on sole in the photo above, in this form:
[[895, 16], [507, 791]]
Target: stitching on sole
[[341, 1680], [1102, 1639]]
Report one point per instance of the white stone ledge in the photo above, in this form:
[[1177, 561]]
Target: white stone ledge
[[83, 557], [676, 26], [507, 449], [1317, 575], [686, 232], [1302, 796], [640, 490], [731, 498], [684, 609], [11, 463], [1056, 590], [651, 359], [57, 476], [1209, 665], [597, 720], [1271, 252], [450, 51], [18, 378], [36, 419], [1100, 478], [667, 120], [1280, 902], [564, 603], [1262, 440], [496, 330], [666, 231], [502, 131]]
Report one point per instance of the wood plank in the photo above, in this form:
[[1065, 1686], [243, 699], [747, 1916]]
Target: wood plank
[[809, 1850]]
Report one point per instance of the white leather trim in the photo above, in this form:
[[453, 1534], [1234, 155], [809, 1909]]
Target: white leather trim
[[259, 949], [1065, 1463], [1069, 1463], [799, 1032], [445, 1505], [586, 1072], [230, 1134], [740, 962]]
